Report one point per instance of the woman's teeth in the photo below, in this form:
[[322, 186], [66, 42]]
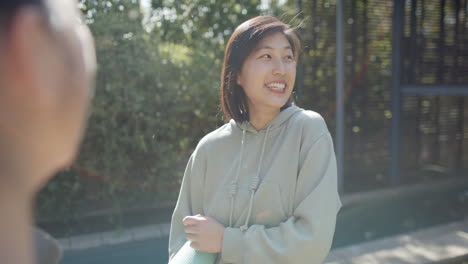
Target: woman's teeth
[[277, 86]]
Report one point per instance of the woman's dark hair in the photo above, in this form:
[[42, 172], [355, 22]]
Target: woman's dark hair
[[241, 43]]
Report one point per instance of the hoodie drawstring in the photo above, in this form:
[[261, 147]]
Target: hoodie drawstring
[[233, 189], [255, 182], [253, 185]]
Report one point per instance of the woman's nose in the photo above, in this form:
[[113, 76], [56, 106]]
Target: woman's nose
[[279, 68]]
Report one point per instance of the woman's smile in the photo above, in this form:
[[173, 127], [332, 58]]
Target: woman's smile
[[278, 87]]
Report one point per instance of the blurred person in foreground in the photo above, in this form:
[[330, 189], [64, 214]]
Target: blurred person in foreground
[[47, 67]]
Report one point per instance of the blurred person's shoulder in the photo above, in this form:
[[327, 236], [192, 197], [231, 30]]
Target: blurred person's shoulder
[[47, 248]]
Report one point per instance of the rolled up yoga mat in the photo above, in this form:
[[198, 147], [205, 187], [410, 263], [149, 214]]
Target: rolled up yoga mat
[[188, 255]]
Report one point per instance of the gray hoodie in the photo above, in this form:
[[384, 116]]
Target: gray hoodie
[[275, 190]]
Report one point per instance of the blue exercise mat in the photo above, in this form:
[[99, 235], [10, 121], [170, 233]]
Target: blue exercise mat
[[188, 255]]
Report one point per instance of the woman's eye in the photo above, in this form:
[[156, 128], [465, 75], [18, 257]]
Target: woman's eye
[[265, 56], [290, 57]]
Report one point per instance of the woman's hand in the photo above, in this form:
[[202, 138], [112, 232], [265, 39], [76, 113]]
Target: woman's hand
[[205, 233]]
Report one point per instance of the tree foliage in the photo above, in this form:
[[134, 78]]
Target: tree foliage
[[158, 80], [156, 96]]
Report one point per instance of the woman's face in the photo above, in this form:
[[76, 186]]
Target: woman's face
[[268, 73]]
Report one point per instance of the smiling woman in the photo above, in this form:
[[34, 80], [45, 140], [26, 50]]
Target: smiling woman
[[263, 187]]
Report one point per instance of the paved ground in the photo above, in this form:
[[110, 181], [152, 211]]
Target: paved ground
[[431, 245]]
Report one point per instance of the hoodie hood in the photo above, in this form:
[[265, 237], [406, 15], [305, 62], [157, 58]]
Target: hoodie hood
[[283, 116]]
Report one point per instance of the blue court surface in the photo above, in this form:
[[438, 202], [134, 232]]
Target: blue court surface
[[152, 251]]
